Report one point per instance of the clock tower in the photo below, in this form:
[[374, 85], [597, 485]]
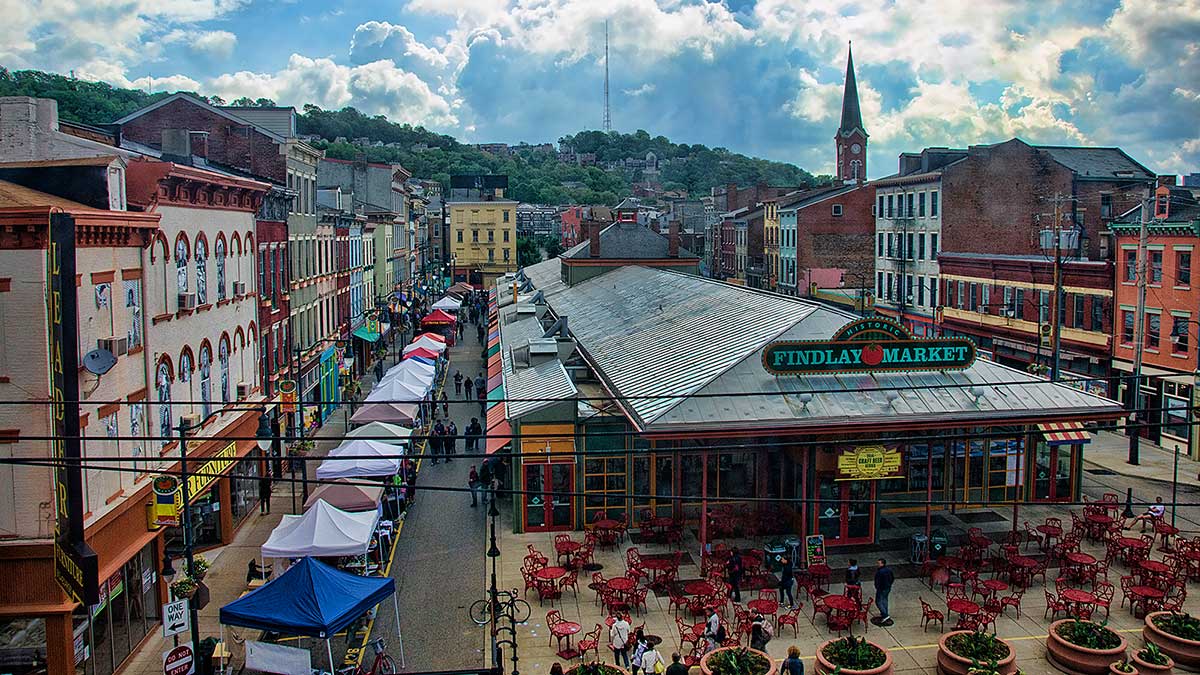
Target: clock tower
[[851, 138]]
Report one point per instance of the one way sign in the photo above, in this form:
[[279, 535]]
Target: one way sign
[[175, 618]]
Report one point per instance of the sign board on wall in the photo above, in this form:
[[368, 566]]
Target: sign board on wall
[[868, 346], [166, 510], [287, 396], [869, 462]]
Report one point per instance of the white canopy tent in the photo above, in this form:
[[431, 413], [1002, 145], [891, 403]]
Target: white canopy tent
[[416, 378], [426, 369], [398, 389], [359, 457], [427, 343], [382, 432], [322, 531], [448, 304]]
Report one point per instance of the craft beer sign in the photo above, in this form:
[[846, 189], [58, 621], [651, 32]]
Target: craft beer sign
[[868, 346]]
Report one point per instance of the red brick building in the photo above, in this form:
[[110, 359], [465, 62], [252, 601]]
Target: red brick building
[[571, 219], [1172, 318]]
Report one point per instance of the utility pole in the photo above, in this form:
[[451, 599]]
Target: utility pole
[[1058, 302], [1138, 328]]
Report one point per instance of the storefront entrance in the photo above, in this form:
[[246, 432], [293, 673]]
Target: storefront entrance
[[845, 511], [548, 502], [1052, 472]]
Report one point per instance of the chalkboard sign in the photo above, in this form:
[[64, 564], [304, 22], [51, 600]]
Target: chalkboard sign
[[814, 549]]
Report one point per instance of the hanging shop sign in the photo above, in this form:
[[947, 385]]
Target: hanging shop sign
[[287, 396], [868, 346], [166, 511], [75, 563], [869, 462], [208, 471]]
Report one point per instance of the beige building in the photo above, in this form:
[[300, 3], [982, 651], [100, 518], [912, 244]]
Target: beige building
[[483, 238]]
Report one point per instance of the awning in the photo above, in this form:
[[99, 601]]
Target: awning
[[493, 366], [495, 396], [503, 432], [438, 318], [493, 350], [366, 334], [1064, 433]]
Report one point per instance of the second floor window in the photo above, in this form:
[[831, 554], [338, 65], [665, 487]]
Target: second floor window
[[1153, 326], [1183, 268], [1156, 267], [1130, 265], [1127, 327], [1179, 335]]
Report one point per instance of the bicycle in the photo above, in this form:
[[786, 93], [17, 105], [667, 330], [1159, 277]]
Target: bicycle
[[506, 603], [383, 664]]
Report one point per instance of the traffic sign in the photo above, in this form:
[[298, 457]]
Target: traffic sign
[[175, 617], [179, 661]]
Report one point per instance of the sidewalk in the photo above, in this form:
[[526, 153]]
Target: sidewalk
[[226, 580], [1110, 451]]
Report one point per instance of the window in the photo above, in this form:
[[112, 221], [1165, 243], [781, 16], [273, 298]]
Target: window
[[505, 254], [133, 311], [1043, 307], [505, 213], [879, 292], [985, 298], [1078, 303], [960, 294], [162, 383], [201, 272], [890, 289], [879, 246], [1183, 268], [908, 288], [933, 204], [263, 284], [205, 381], [933, 292], [921, 246], [181, 261], [506, 236], [219, 254], [1175, 416], [223, 364], [137, 425], [921, 291], [879, 208], [492, 255], [908, 246], [909, 204], [933, 246], [891, 245], [1179, 335], [474, 236], [890, 204], [1156, 267], [1130, 265], [837, 209], [1097, 313], [921, 204], [460, 236], [1105, 207], [1153, 326], [1061, 302], [973, 290]]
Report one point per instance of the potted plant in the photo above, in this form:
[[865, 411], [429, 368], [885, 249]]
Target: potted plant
[[301, 448], [960, 652], [1176, 634], [184, 588], [596, 668], [852, 656], [735, 661], [1079, 647], [1151, 660], [1121, 668], [200, 567]]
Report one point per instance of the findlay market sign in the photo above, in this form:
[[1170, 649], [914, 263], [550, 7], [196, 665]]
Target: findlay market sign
[[868, 346]]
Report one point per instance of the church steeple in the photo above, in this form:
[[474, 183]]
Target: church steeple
[[851, 137]]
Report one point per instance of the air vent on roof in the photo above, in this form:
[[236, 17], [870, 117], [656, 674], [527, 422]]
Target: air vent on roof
[[525, 309]]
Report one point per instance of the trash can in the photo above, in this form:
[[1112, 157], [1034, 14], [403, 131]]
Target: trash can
[[773, 552], [794, 546], [918, 549], [938, 541]]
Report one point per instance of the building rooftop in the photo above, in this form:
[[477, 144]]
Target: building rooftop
[[1099, 163], [628, 241]]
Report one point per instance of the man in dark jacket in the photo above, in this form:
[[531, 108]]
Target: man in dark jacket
[[884, 578]]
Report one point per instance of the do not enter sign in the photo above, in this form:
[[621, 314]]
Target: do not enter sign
[[179, 661]]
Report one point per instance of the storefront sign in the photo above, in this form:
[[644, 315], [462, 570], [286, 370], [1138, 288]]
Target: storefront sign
[[166, 511], [814, 549], [869, 462], [75, 563], [868, 346], [287, 396], [209, 470]]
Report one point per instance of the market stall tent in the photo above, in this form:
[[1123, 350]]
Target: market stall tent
[[358, 457], [413, 378], [346, 497], [392, 413], [438, 318], [323, 531], [425, 343], [382, 432], [400, 389], [448, 304], [420, 352], [431, 336]]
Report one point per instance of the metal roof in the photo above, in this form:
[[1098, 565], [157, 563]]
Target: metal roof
[[628, 241], [547, 380]]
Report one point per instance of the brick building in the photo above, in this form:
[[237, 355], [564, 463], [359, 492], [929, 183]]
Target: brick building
[[826, 232]]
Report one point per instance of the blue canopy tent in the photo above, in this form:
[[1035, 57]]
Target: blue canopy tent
[[310, 599]]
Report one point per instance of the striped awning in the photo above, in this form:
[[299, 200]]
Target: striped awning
[[493, 365], [1064, 433]]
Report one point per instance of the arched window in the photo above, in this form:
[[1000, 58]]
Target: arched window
[[181, 261], [223, 363], [205, 380], [201, 272], [219, 253], [855, 168], [162, 382]]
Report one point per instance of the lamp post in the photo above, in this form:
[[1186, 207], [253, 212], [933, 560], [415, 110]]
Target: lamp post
[[264, 443], [493, 592]]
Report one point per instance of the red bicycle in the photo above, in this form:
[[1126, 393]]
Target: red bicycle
[[383, 664]]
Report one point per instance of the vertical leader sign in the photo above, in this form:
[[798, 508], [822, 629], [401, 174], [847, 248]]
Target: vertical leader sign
[[75, 566]]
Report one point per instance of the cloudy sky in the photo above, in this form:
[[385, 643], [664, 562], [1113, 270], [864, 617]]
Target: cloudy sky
[[762, 77]]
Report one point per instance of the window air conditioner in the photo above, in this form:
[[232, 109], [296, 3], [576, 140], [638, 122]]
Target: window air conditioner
[[187, 301], [114, 345]]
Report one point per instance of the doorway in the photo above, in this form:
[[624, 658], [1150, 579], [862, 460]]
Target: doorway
[[846, 511], [548, 503], [1052, 472]]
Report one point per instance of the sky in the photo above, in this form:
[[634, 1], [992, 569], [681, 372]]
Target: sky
[[762, 77]]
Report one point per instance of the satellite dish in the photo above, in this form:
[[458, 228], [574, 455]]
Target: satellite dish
[[99, 361]]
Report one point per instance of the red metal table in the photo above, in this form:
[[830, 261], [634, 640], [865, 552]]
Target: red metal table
[[1132, 542], [1051, 532], [1077, 598], [1145, 596], [657, 566], [841, 603], [567, 549], [550, 573], [1154, 566], [621, 584], [700, 588], [952, 562], [963, 607], [994, 586], [1021, 567], [764, 606], [820, 574], [564, 630]]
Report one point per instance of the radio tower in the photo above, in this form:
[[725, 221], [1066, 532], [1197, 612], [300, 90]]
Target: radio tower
[[607, 117]]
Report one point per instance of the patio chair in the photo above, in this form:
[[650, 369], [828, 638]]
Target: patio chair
[[788, 618], [819, 607], [692, 659], [1104, 594], [676, 599], [570, 580], [862, 613], [531, 581], [1012, 600], [637, 598], [928, 613], [598, 585], [590, 642], [1126, 584], [1032, 535], [1054, 606], [988, 618], [688, 634], [956, 591]]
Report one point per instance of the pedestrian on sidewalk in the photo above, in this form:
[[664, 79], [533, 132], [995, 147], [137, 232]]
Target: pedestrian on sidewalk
[[435, 441], [379, 370], [451, 443], [458, 378], [884, 578], [786, 576], [485, 479], [445, 403], [467, 386], [264, 495], [474, 431], [618, 639], [473, 485], [479, 333], [481, 396], [733, 573], [480, 384]]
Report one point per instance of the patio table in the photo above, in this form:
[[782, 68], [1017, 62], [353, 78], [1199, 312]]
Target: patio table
[[1145, 596], [1051, 532], [994, 586], [621, 584], [563, 630], [1021, 567], [567, 549], [700, 588], [963, 607], [764, 606], [1155, 567], [1077, 598], [841, 603]]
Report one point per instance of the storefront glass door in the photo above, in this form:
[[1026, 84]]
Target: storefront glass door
[[846, 513], [1052, 472], [548, 501]]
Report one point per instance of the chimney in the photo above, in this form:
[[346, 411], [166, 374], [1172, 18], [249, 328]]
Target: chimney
[[594, 239], [199, 143], [47, 114], [176, 146], [673, 241]]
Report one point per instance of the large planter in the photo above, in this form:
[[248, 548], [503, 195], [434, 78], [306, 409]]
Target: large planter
[[1185, 653], [1112, 670], [949, 663], [708, 671], [1146, 668], [825, 667], [1076, 660], [591, 669]]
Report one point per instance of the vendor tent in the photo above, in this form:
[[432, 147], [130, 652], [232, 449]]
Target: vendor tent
[[399, 389], [346, 497], [358, 457], [392, 413], [438, 318], [311, 599], [382, 432], [448, 304], [460, 289], [420, 352], [323, 530], [415, 378], [421, 367], [431, 336], [426, 343]]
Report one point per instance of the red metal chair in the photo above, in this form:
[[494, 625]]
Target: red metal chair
[[688, 634], [1012, 600], [928, 613], [788, 618], [571, 580], [1104, 592], [1054, 606], [862, 613], [590, 642]]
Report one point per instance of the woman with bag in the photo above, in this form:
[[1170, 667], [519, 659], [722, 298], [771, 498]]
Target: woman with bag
[[639, 648], [653, 662], [760, 633]]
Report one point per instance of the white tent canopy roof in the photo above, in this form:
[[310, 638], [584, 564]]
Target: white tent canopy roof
[[428, 343], [322, 531], [448, 304], [411, 364], [396, 434], [398, 389], [359, 457]]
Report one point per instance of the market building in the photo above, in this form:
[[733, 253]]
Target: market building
[[664, 381]]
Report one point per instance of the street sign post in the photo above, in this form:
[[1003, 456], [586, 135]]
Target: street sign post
[[179, 661], [175, 618]]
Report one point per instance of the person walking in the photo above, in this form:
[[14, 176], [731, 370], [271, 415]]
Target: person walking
[[451, 444], [467, 388], [481, 396], [485, 479], [458, 378], [714, 630], [786, 576], [639, 648], [445, 403], [264, 495], [676, 667], [884, 578], [435, 441], [760, 633], [734, 570], [479, 332], [792, 665], [473, 485], [854, 581], [471, 436], [379, 370], [652, 661], [618, 640]]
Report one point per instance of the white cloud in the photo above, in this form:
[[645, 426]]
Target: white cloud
[[647, 88], [215, 43], [168, 83]]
